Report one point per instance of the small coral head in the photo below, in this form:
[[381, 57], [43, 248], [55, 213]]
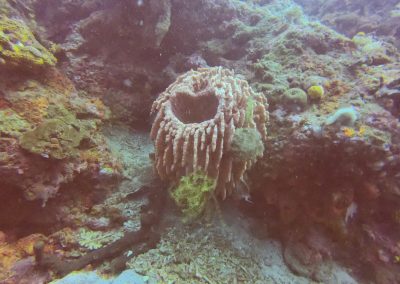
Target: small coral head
[[315, 92]]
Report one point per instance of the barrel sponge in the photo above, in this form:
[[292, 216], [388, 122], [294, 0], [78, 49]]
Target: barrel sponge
[[196, 119]]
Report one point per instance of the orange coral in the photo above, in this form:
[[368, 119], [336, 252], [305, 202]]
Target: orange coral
[[11, 253], [32, 110], [329, 106], [92, 156], [336, 87], [99, 106], [8, 257], [362, 130], [25, 245], [56, 80], [349, 132]]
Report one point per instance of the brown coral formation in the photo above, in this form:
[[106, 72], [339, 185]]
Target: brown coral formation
[[195, 123]]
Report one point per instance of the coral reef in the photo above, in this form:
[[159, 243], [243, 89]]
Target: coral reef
[[45, 125], [327, 185], [123, 71], [41, 120], [196, 119], [144, 239], [351, 17], [54, 139]]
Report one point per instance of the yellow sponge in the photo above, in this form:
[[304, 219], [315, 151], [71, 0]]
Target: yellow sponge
[[315, 92]]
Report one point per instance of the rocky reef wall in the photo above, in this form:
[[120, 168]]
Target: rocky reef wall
[[380, 18]]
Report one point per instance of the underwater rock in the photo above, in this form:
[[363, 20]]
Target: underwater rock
[[389, 94], [163, 10], [374, 17], [82, 277], [54, 138], [17, 261], [310, 263], [39, 117], [138, 241]]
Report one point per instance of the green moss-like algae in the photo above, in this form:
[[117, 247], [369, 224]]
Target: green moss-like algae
[[54, 138], [11, 124], [247, 144], [193, 193], [19, 47]]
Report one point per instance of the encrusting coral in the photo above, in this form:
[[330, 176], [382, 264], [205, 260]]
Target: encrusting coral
[[196, 118], [19, 47]]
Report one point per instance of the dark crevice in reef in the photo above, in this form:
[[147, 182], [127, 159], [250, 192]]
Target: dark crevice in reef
[[189, 109], [21, 218]]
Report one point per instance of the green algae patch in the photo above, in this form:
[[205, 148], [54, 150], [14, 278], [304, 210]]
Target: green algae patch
[[11, 124], [247, 144], [192, 194], [94, 239], [19, 47], [249, 110], [54, 138], [375, 136]]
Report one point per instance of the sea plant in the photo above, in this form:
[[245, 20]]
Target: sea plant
[[192, 194]]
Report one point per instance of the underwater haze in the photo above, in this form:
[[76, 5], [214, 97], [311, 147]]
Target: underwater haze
[[199, 141]]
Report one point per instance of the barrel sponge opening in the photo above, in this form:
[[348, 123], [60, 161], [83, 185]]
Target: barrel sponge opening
[[194, 108]]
